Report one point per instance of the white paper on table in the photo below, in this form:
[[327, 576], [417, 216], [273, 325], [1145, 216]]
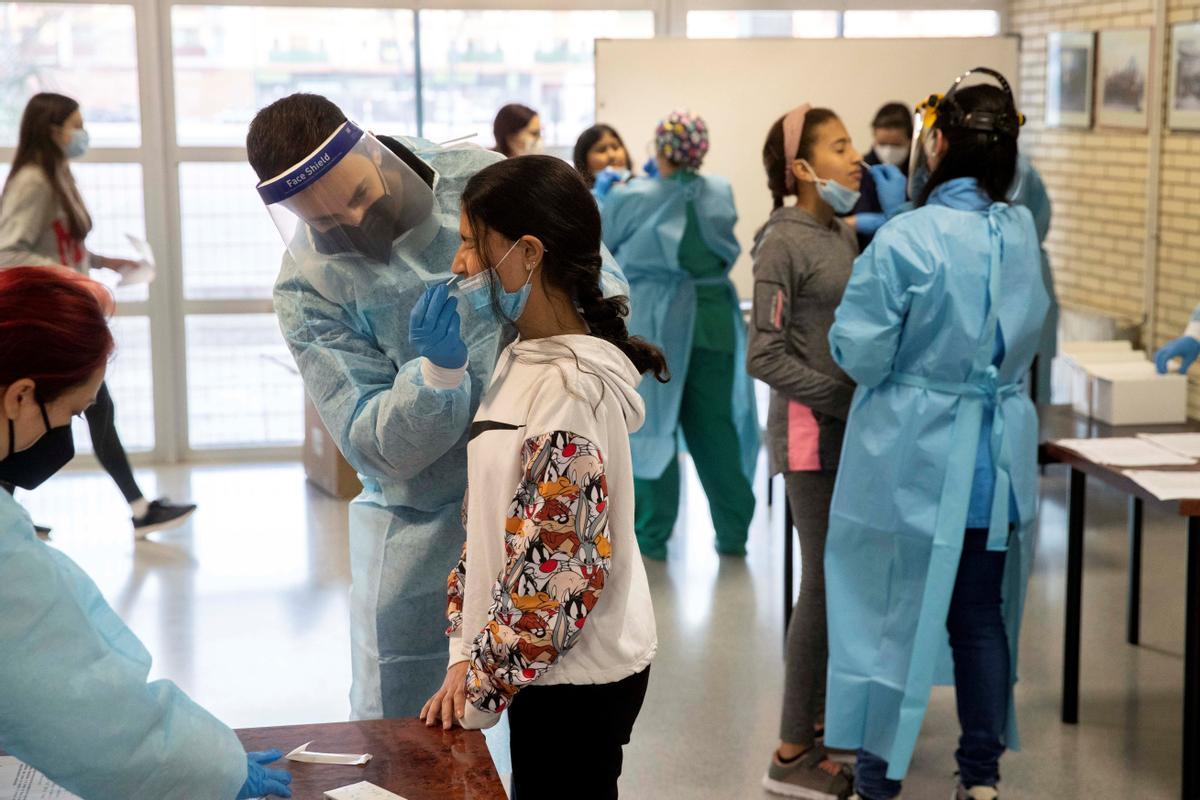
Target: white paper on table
[[1185, 444], [145, 271], [1167, 485], [19, 781], [363, 790], [303, 754], [1125, 451]]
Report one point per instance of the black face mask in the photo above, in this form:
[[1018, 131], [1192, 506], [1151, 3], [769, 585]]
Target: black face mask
[[373, 237], [31, 468]]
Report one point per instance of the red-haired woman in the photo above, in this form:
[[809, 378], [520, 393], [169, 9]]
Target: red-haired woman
[[43, 222], [74, 701]]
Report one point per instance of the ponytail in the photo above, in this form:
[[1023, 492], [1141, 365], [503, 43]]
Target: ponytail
[[605, 317]]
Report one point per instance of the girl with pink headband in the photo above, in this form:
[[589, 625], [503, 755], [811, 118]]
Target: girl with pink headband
[[803, 257]]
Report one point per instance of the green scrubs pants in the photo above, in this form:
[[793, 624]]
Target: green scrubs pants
[[706, 417]]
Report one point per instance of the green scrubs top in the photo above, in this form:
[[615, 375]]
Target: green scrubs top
[[714, 319]]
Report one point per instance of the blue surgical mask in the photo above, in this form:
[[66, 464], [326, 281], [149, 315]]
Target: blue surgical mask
[[840, 198], [78, 146], [477, 289]]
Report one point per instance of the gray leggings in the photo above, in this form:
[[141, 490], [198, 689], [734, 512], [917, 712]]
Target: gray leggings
[[809, 494]]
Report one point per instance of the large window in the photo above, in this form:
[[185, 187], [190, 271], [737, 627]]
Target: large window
[[474, 62], [87, 52], [243, 388], [232, 60], [929, 23], [231, 249], [770, 24]]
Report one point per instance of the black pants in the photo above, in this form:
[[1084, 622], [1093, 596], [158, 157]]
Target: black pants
[[566, 740], [101, 420]]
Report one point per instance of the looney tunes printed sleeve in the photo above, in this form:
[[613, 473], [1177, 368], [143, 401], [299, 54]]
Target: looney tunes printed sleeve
[[557, 558]]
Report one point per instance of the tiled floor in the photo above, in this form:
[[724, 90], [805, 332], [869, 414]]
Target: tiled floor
[[246, 608]]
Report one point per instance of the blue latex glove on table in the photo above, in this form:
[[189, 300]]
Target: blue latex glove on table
[[605, 181], [435, 328], [1184, 348], [261, 781], [891, 187], [651, 167], [869, 222]]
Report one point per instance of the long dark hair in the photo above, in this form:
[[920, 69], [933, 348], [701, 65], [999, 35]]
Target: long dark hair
[[587, 140], [542, 196], [777, 163], [989, 156], [511, 119], [36, 145]]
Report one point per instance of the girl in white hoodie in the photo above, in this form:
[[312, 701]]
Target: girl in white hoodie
[[549, 608]]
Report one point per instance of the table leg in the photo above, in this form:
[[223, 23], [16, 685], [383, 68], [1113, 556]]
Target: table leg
[[789, 538], [1191, 667], [1133, 608], [1070, 686]]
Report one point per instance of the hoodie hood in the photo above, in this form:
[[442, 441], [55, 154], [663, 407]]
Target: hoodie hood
[[591, 369]]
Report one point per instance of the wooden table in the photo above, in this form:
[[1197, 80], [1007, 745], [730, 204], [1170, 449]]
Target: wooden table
[[415, 762], [1060, 423]]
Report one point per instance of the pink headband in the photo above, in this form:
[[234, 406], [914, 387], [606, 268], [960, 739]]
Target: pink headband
[[793, 128]]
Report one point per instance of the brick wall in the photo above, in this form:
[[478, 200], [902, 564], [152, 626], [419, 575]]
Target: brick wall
[[1097, 182]]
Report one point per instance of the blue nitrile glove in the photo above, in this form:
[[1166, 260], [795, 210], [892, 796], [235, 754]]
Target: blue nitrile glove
[[651, 167], [261, 781], [868, 222], [1185, 348], [605, 181], [891, 187], [435, 328]]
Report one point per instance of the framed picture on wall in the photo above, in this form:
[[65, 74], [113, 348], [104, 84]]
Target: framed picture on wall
[[1070, 61], [1183, 110], [1123, 79]]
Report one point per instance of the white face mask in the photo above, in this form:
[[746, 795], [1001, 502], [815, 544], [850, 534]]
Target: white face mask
[[891, 154], [530, 146]]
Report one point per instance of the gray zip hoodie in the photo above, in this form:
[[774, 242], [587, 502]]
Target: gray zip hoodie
[[801, 268]]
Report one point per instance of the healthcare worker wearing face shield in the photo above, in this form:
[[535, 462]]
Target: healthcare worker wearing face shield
[[394, 369], [1029, 190], [931, 525], [673, 237], [74, 701]]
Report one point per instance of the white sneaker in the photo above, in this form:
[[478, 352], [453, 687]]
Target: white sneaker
[[975, 793]]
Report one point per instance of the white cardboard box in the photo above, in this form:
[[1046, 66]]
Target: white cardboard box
[[1082, 363], [1133, 393]]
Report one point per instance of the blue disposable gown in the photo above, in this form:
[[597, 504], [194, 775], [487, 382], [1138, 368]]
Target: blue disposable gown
[[916, 331], [74, 701], [644, 223], [1030, 191], [346, 322]]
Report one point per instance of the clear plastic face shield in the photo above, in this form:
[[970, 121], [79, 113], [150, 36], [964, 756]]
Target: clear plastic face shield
[[352, 196], [927, 113]]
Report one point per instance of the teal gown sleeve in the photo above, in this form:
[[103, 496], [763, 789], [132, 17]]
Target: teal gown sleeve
[[386, 421], [867, 324], [74, 700]]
